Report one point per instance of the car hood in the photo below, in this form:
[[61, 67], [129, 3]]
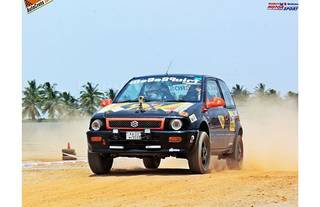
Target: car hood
[[150, 109]]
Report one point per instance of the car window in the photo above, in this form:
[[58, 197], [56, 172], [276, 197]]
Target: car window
[[131, 93], [212, 89], [226, 94]]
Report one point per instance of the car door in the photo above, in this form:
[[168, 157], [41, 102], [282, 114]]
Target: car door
[[231, 113], [218, 117]]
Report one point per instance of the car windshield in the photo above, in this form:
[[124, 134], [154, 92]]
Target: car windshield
[[162, 88]]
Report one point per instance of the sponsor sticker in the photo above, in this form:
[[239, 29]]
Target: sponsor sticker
[[33, 5], [232, 125], [233, 115], [193, 118], [222, 121]]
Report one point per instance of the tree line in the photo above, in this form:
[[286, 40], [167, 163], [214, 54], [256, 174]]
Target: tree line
[[44, 100], [241, 94]]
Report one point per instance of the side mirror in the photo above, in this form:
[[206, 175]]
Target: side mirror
[[215, 102], [105, 102]]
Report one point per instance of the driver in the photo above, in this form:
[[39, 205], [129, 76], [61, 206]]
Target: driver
[[194, 93], [158, 92]]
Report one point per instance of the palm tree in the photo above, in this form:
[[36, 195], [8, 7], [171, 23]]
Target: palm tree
[[90, 98], [31, 102], [260, 90], [111, 93], [68, 99], [70, 104], [51, 103], [292, 94], [273, 94], [239, 92]]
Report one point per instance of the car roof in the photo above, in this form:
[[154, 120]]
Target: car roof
[[182, 74]]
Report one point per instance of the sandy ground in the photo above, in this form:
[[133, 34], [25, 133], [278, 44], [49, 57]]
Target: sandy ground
[[129, 184]]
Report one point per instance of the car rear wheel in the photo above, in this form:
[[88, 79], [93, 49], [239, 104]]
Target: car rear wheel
[[99, 164], [199, 157], [234, 161], [151, 162]]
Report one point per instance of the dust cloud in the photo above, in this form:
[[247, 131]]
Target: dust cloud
[[270, 138], [43, 141], [270, 133]]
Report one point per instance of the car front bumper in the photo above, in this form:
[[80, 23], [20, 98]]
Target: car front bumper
[[155, 143]]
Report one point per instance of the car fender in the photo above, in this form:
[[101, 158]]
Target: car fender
[[198, 125]]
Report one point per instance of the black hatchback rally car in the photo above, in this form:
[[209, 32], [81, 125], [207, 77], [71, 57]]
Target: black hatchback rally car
[[154, 117]]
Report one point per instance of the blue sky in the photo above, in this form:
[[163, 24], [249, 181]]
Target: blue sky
[[108, 42]]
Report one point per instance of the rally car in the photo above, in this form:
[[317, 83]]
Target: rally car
[[154, 117]]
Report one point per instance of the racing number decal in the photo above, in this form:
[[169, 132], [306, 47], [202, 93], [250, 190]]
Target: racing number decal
[[232, 121], [222, 121]]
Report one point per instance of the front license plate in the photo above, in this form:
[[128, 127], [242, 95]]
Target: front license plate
[[133, 135]]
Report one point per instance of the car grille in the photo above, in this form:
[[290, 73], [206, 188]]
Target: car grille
[[135, 123]]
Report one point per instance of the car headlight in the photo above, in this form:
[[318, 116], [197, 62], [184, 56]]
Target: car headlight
[[96, 124], [176, 124]]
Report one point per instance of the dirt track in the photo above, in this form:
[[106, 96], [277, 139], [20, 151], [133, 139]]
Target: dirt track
[[74, 185]]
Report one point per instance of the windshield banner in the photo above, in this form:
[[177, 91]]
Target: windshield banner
[[195, 80]]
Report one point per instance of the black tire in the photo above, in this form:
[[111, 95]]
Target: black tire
[[235, 160], [199, 157], [151, 162], [99, 164]]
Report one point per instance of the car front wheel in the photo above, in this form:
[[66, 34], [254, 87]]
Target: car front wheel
[[99, 163], [199, 157]]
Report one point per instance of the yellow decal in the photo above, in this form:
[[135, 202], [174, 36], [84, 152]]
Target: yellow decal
[[169, 107], [222, 121], [232, 121], [113, 107], [136, 106], [232, 125]]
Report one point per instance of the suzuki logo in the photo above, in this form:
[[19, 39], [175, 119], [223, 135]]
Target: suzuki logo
[[134, 124]]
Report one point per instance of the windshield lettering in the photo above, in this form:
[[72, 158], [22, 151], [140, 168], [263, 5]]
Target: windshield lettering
[[164, 89]]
